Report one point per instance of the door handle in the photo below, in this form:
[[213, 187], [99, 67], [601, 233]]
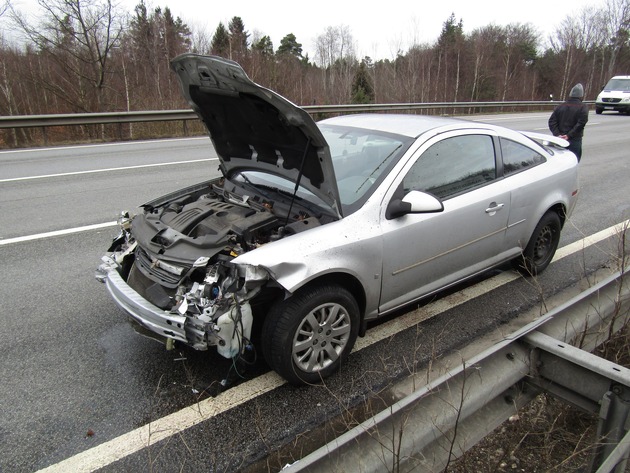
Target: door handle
[[491, 209]]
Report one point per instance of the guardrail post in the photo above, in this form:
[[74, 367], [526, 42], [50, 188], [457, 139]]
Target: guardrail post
[[611, 429], [591, 383]]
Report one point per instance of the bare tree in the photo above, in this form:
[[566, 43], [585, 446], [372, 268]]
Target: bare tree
[[336, 56], [335, 44], [519, 48], [617, 16], [201, 40], [594, 44], [585, 42], [565, 44], [78, 35], [482, 42]]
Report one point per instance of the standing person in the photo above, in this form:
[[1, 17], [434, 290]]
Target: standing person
[[568, 120]]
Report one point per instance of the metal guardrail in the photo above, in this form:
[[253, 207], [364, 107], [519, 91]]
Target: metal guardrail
[[438, 423], [71, 119], [78, 119]]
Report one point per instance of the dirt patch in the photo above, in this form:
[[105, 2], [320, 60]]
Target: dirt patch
[[546, 435]]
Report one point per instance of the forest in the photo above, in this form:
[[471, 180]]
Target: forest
[[82, 56]]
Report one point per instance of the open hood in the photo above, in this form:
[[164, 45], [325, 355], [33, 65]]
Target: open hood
[[253, 128]]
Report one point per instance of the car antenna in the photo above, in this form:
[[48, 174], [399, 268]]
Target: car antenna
[[299, 178]]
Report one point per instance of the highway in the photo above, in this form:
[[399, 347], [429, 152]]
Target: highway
[[81, 390]]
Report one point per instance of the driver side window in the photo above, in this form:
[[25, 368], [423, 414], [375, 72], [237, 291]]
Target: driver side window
[[453, 165]]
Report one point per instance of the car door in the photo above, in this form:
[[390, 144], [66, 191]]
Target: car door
[[426, 252]]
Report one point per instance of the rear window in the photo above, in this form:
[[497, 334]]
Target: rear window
[[517, 158]]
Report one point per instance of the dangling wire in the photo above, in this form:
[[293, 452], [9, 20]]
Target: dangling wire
[[243, 344]]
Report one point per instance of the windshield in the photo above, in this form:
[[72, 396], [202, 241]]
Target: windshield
[[267, 184], [361, 159], [618, 84]]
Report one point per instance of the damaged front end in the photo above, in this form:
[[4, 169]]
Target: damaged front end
[[215, 312], [202, 302]]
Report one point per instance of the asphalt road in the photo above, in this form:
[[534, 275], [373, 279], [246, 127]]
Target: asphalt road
[[76, 376]]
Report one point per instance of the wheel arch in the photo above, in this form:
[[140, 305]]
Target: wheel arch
[[347, 281], [561, 210], [351, 284]]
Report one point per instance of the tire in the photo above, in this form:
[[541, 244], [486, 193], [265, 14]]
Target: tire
[[541, 247], [307, 337], [599, 110]]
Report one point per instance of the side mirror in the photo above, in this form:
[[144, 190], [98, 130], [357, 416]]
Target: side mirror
[[415, 202]]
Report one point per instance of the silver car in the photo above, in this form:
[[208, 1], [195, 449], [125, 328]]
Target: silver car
[[316, 229]]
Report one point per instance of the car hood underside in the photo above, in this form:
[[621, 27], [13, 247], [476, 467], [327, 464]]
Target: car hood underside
[[253, 128]]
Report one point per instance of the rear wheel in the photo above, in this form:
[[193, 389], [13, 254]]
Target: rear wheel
[[307, 337], [541, 247]]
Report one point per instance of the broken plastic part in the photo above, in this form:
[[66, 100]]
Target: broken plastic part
[[201, 262], [234, 326]]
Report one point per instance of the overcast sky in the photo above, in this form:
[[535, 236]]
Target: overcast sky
[[380, 29]]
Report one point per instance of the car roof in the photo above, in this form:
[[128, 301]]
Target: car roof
[[406, 125]]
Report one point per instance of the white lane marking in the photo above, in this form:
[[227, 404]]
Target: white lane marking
[[160, 429], [67, 231], [101, 145], [593, 239], [142, 437], [92, 171]]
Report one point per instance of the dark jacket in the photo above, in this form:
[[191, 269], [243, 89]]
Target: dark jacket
[[569, 119]]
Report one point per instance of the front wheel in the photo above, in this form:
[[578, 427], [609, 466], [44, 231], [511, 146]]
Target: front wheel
[[307, 337], [541, 247], [599, 110]]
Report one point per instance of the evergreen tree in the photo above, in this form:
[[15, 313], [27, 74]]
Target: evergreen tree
[[452, 32], [263, 46], [362, 90], [449, 51], [238, 39], [290, 46], [220, 45]]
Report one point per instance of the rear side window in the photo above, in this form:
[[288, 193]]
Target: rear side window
[[453, 166], [517, 157]]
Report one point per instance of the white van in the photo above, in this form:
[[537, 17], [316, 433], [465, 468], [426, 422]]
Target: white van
[[614, 96]]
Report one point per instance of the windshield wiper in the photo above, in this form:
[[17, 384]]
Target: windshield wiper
[[378, 167], [278, 190], [251, 185]]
